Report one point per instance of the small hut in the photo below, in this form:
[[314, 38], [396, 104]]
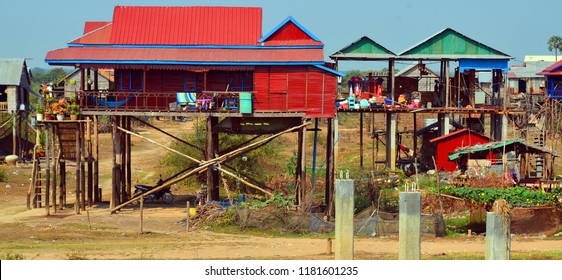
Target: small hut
[[15, 86]]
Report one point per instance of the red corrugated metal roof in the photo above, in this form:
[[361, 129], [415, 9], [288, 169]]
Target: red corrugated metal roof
[[460, 131], [179, 55], [291, 35], [98, 36], [552, 69], [192, 25], [93, 25]]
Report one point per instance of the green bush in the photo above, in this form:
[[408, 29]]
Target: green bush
[[517, 196], [3, 175], [15, 256]]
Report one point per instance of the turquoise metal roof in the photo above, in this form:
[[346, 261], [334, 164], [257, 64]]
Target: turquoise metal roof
[[510, 145], [450, 44]]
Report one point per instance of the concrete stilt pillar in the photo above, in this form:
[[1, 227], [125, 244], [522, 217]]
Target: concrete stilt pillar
[[344, 220], [391, 124], [409, 226], [498, 237]]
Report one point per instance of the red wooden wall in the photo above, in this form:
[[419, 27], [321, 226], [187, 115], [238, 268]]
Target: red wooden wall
[[447, 144], [275, 88], [295, 89]]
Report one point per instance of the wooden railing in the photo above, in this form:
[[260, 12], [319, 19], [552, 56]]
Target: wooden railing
[[3, 106], [207, 101]]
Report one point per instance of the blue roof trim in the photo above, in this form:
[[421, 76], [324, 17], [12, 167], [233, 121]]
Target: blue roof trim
[[295, 22], [484, 64], [250, 63], [341, 74], [194, 46]]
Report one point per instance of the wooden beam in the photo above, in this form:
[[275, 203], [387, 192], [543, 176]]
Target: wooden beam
[[168, 134], [203, 165]]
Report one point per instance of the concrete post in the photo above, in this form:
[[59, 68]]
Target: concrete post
[[409, 226], [498, 237], [391, 125], [344, 220]]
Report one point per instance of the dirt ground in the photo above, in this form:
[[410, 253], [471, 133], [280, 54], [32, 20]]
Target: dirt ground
[[97, 234]]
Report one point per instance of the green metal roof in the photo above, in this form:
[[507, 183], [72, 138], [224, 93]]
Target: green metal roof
[[450, 44], [518, 145], [363, 49]]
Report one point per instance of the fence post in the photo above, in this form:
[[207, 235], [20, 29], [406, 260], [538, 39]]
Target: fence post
[[409, 226], [344, 219]]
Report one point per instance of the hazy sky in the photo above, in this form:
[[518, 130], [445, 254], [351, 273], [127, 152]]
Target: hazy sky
[[31, 28]]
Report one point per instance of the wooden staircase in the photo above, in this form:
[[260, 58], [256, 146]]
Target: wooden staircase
[[66, 134]]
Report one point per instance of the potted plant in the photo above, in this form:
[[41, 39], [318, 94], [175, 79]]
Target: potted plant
[[59, 108], [48, 114], [40, 112], [74, 110]]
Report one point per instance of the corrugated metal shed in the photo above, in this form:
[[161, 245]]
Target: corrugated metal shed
[[554, 69], [447, 144], [518, 145], [190, 25], [528, 69], [363, 49], [11, 71], [451, 44]]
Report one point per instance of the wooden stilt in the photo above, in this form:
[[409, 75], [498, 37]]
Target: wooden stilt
[[97, 197], [82, 169], [329, 165], [122, 174], [55, 171], [47, 170], [361, 140], [116, 170], [298, 171], [129, 179], [212, 150], [88, 157], [62, 184], [78, 172]]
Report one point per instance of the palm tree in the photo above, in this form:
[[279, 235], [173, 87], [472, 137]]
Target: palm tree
[[555, 42]]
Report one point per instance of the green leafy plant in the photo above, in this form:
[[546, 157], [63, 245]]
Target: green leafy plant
[[516, 196], [40, 109], [73, 108], [3, 175]]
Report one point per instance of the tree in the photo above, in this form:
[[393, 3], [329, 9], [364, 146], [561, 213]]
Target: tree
[[555, 43]]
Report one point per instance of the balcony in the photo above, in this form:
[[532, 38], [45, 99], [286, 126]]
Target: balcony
[[175, 103]]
